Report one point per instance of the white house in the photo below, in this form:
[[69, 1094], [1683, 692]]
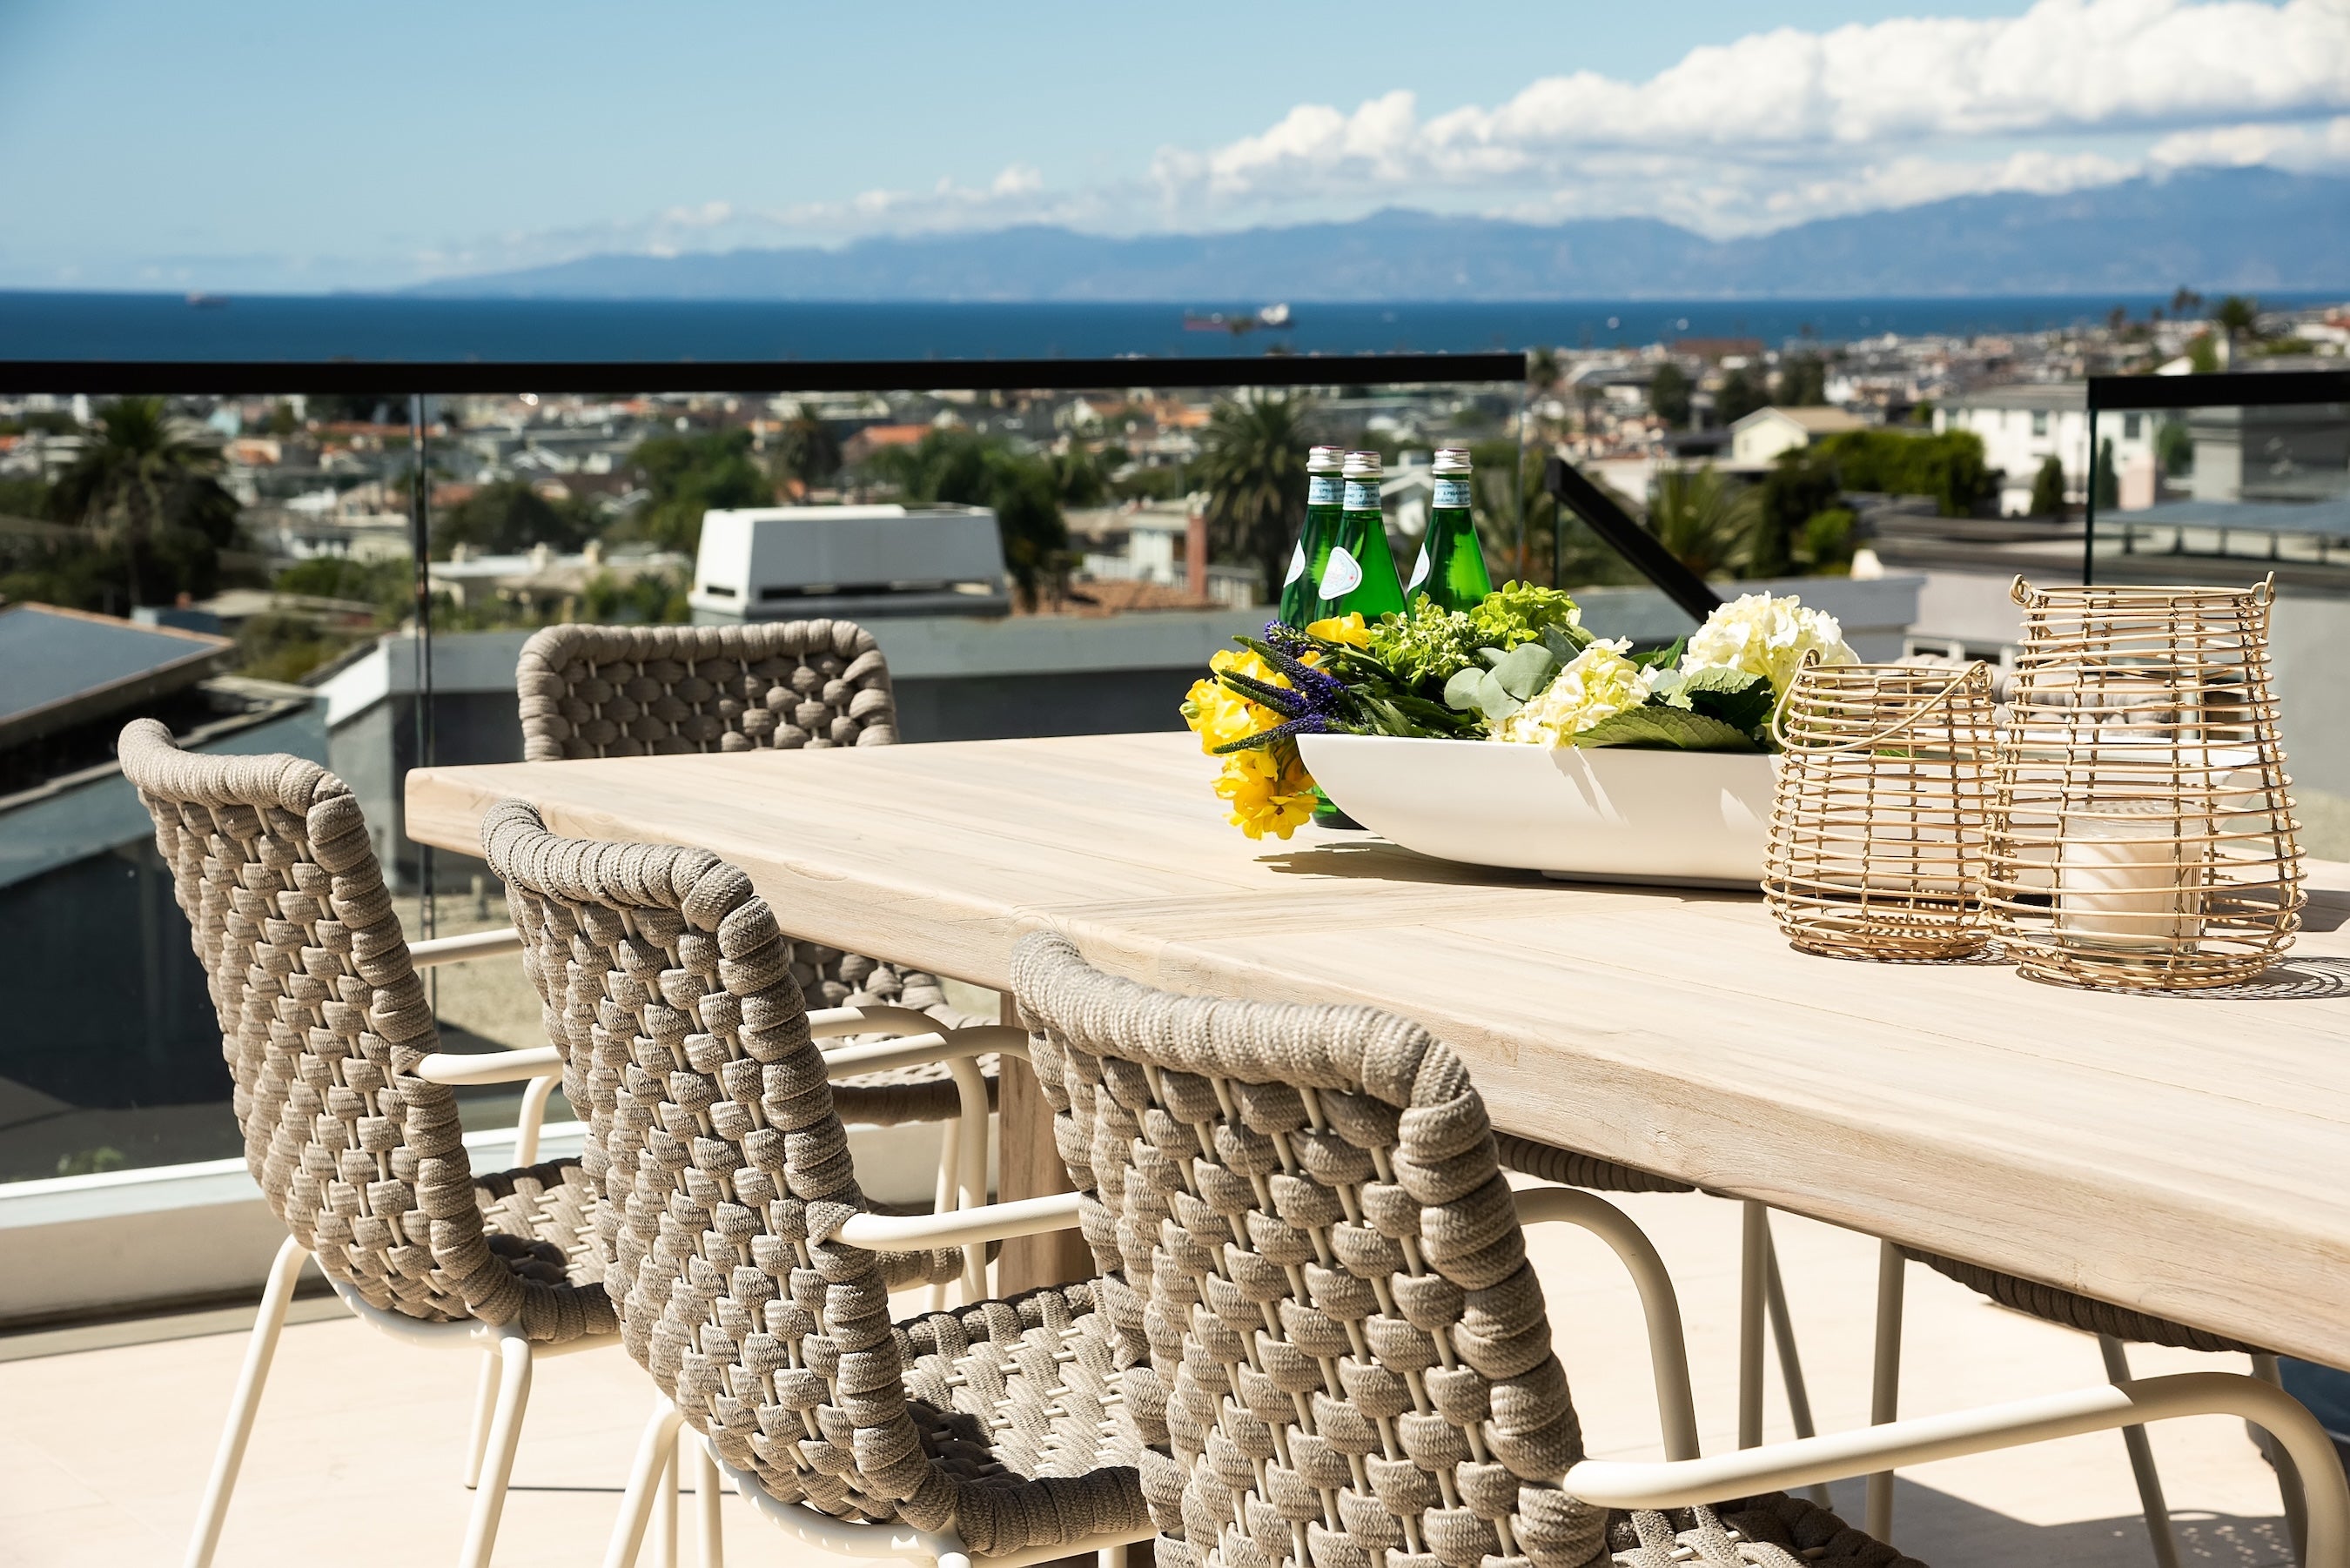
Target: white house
[[2024, 426], [1764, 434]]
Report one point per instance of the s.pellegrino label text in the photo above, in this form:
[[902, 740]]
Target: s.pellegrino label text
[[1451, 493], [1322, 490], [1362, 495]]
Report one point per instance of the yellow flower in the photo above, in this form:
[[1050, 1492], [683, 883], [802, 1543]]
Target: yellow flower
[[1266, 795], [1349, 628]]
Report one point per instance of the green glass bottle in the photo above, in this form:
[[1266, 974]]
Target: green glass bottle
[[1451, 566], [1312, 553], [1359, 578]]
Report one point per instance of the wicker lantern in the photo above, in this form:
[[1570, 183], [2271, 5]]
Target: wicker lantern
[[2142, 834], [1879, 822]]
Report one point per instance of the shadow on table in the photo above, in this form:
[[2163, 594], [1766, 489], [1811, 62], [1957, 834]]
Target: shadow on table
[[1375, 860], [1941, 1529]]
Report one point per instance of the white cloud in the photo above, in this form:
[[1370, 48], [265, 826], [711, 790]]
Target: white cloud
[[1783, 125]]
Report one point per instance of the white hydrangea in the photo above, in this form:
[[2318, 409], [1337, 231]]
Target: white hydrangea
[[1597, 683], [1766, 637]]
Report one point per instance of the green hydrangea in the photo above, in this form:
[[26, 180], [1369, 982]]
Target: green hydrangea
[[1518, 613], [1425, 645]]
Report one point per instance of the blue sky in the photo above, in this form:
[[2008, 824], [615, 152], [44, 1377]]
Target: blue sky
[[288, 146]]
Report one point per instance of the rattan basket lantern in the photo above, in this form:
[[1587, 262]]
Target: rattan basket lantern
[[1880, 825], [2142, 831]]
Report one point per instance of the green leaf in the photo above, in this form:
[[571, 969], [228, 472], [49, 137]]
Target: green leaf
[[1460, 692], [1495, 700], [1661, 657], [1666, 729], [1525, 669], [1738, 699]]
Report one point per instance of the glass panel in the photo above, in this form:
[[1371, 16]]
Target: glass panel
[[200, 560], [2229, 494]]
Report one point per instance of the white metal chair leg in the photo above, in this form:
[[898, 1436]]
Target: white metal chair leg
[[485, 1398], [708, 1527], [2141, 1459], [1791, 1365], [970, 1167], [2296, 1508], [514, 1363], [1753, 1243], [646, 1472], [1885, 1385], [665, 1508], [947, 1192], [258, 1352], [1110, 1557]]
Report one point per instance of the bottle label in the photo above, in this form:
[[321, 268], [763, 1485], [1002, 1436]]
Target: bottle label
[[1341, 575], [1297, 563], [1418, 573], [1321, 490], [1362, 495], [1451, 494]]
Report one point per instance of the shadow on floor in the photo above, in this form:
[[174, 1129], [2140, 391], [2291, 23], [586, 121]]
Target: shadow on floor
[[1948, 1532]]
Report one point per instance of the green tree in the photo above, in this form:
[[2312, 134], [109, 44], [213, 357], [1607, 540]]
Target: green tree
[[1708, 521], [961, 468], [1824, 545], [2174, 447], [1081, 476], [2106, 484], [648, 599], [1252, 466], [1668, 395], [2238, 315], [1803, 382], [1802, 483], [1949, 467], [690, 475], [507, 517], [2203, 354], [1542, 370], [2048, 489], [150, 501], [1740, 395], [807, 449]]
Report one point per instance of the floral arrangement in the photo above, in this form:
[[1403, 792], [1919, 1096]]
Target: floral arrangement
[[1516, 668]]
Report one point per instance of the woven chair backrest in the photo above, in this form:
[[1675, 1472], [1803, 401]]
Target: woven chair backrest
[[639, 690], [323, 1021], [723, 1169], [1314, 1267]]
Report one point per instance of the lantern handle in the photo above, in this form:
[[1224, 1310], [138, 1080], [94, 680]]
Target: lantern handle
[[1866, 743]]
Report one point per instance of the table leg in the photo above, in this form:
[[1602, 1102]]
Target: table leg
[[1029, 1165]]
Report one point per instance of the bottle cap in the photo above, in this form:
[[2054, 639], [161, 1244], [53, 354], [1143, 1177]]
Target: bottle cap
[[1453, 460], [1365, 463], [1325, 458]]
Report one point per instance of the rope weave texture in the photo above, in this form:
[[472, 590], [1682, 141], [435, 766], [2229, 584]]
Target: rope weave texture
[[2052, 1303], [323, 1022], [723, 1174], [636, 690], [1335, 1346]]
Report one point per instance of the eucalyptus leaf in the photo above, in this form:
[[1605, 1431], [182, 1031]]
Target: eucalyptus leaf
[[1460, 691], [1494, 700], [1659, 728], [1526, 669]]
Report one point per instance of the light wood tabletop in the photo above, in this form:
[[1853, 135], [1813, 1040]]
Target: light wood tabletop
[[2186, 1155]]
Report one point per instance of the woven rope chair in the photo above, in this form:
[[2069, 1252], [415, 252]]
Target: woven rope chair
[[751, 1280], [1336, 1349], [347, 1107], [639, 690]]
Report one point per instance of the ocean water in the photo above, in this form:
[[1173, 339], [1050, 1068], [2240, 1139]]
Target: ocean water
[[374, 327]]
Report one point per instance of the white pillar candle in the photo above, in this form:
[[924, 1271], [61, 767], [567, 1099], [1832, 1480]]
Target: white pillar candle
[[2131, 875]]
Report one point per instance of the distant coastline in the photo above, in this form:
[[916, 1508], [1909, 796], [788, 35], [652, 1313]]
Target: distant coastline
[[313, 329]]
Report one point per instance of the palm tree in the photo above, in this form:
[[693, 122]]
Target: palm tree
[[1252, 466], [1706, 520], [807, 449], [142, 489]]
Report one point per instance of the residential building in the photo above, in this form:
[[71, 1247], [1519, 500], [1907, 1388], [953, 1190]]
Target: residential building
[[1759, 438], [2022, 426]]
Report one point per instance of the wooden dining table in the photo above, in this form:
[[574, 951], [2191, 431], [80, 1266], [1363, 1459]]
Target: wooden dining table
[[2187, 1155]]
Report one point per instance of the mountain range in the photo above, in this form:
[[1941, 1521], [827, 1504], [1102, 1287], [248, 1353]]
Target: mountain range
[[2241, 229]]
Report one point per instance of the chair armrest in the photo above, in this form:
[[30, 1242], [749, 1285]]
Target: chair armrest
[[457, 950], [963, 1227], [1775, 1467], [460, 1068], [832, 1022], [1668, 1350]]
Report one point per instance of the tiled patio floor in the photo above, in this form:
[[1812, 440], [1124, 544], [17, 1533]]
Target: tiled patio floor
[[355, 1459]]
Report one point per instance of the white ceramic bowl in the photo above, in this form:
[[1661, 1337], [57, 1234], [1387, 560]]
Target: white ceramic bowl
[[1605, 814]]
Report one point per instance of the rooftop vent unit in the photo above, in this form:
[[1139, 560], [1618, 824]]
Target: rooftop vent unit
[[791, 563]]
